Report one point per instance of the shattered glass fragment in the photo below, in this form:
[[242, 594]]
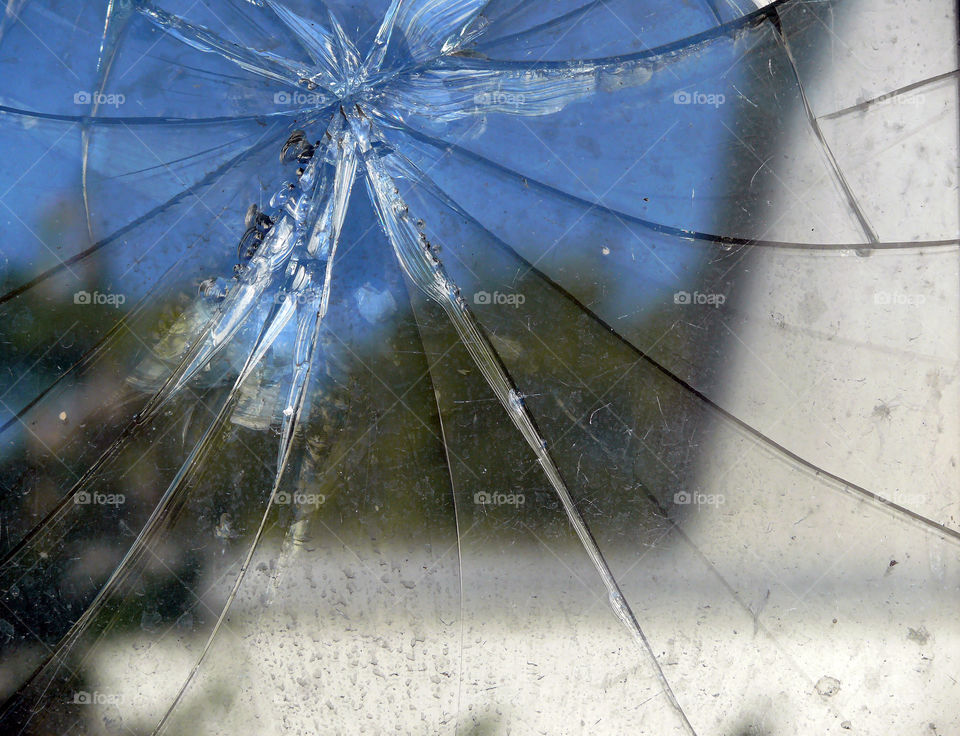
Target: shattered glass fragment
[[479, 366]]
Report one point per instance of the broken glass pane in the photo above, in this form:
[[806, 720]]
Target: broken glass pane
[[479, 366]]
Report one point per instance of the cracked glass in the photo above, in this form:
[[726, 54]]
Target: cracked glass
[[479, 366]]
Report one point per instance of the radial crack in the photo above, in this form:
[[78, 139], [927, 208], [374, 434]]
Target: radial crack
[[426, 271], [311, 303], [832, 163], [785, 453]]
